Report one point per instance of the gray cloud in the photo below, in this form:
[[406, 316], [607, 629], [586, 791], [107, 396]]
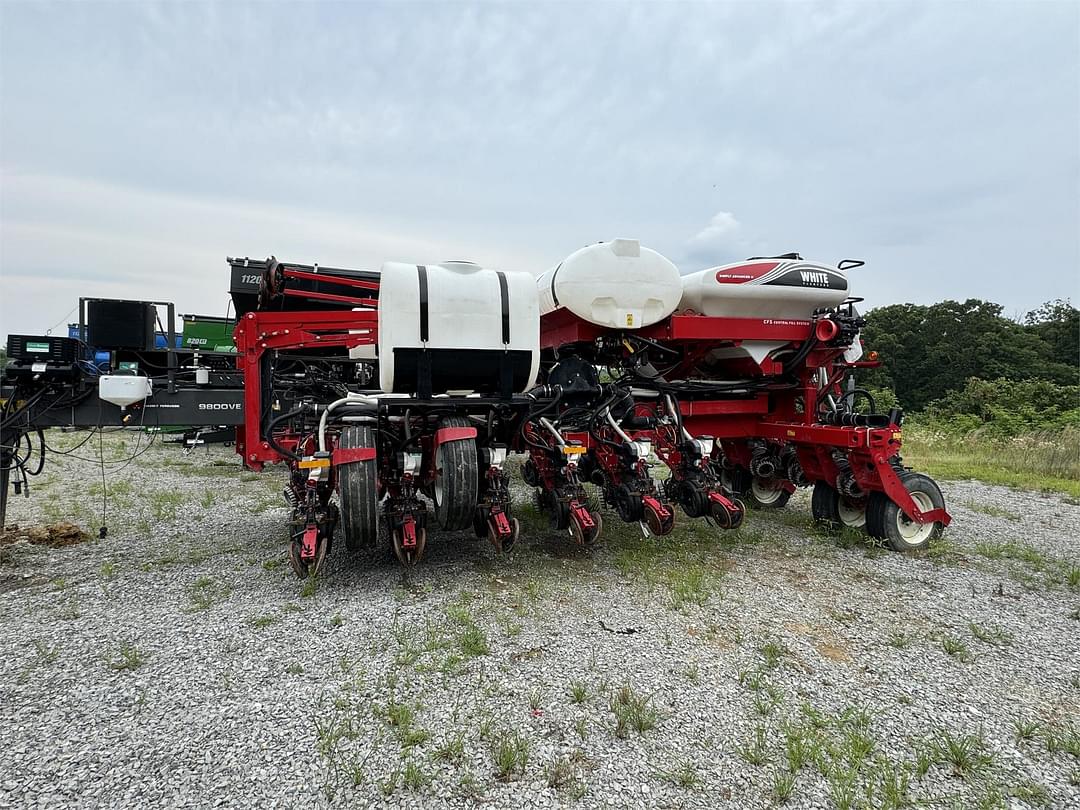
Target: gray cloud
[[140, 143]]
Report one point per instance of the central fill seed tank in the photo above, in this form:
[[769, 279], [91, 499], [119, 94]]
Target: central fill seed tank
[[764, 288], [617, 284], [458, 325]]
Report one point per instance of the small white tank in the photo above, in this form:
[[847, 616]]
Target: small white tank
[[764, 288], [617, 284], [459, 325]]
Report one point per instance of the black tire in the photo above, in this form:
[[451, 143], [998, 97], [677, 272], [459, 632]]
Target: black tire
[[903, 534], [824, 504], [767, 493], [357, 490], [875, 515], [457, 479]]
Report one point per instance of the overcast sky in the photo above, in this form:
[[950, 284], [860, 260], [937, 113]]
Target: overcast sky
[[140, 144]]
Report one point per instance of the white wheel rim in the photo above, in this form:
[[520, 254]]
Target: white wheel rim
[[852, 515], [913, 533], [438, 475], [763, 494]]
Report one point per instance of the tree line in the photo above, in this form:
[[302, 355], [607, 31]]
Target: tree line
[[954, 358]]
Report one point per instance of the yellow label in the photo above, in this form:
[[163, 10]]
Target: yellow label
[[572, 450], [897, 435], [629, 318], [309, 463], [791, 433]]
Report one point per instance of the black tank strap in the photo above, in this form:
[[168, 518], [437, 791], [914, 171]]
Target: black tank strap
[[422, 271], [504, 296]]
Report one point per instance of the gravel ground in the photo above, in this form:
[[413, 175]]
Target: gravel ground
[[179, 662]]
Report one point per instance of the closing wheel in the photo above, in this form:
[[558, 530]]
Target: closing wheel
[[903, 533], [457, 479], [824, 503], [767, 493], [409, 556], [303, 568], [357, 490], [658, 525]]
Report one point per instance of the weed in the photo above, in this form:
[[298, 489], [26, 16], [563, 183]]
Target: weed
[[965, 754], [310, 587], [632, 711], [685, 776], [1072, 576], [205, 591], [452, 750], [990, 509], [1075, 615], [510, 753], [893, 783], [689, 585], [473, 641], [799, 746], [207, 499], [901, 640], [559, 773], [295, 669], [1025, 730], [1031, 793], [579, 692], [413, 776], [107, 570], [536, 699], [692, 672], [773, 652], [260, 622], [783, 786], [1065, 739], [128, 658], [581, 726], [273, 564], [994, 636], [956, 648], [755, 750], [400, 715]]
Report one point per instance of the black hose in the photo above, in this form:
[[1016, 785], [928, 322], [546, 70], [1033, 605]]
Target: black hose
[[269, 433]]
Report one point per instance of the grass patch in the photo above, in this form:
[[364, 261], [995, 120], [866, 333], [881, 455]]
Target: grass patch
[[1047, 461], [755, 750], [684, 776], [261, 622], [206, 591], [127, 658], [956, 648], [579, 692], [994, 636], [632, 711], [965, 754], [510, 754]]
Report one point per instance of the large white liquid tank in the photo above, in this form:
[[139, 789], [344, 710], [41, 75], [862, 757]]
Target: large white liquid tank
[[764, 288], [468, 339], [617, 284]]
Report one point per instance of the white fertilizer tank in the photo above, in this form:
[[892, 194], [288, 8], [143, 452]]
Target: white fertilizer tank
[[617, 284]]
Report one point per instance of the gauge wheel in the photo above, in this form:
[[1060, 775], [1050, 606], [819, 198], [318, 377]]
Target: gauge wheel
[[358, 492], [457, 479]]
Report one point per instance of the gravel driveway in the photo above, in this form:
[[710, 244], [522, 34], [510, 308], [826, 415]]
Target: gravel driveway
[[179, 662]]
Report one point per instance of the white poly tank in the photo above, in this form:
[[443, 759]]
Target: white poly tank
[[617, 284], [764, 288], [457, 327]]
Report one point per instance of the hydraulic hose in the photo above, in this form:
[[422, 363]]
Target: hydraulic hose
[[359, 399]]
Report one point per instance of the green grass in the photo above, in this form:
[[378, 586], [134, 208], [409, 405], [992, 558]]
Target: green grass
[[510, 755], [1046, 461], [755, 749], [956, 648], [994, 636], [965, 754], [684, 776], [1025, 730], [579, 692], [127, 658], [206, 591], [632, 711]]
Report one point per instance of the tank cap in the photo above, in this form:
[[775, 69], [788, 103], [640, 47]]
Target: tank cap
[[626, 247], [460, 265]]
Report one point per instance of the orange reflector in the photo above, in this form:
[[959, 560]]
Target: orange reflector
[[872, 355], [572, 450], [309, 463]]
